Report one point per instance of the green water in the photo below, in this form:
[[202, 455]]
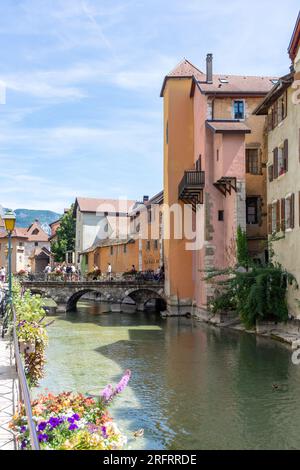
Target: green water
[[193, 386]]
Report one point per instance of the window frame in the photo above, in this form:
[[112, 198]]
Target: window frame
[[244, 109]]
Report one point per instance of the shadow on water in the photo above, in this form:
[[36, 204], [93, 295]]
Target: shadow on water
[[193, 386]]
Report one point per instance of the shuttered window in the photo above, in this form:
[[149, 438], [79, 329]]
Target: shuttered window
[[283, 215], [275, 163], [270, 218], [271, 172], [289, 212], [286, 155]]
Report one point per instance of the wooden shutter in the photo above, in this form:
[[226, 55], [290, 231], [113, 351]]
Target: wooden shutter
[[275, 108], [292, 199], [284, 105], [270, 218], [278, 216], [283, 215], [286, 154], [275, 160], [259, 211], [271, 172]]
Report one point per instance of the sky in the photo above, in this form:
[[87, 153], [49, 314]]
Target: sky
[[82, 114]]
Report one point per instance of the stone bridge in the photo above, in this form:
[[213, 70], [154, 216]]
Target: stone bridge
[[67, 294]]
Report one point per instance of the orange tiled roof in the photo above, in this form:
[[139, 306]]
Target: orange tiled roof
[[222, 84], [41, 236], [104, 205]]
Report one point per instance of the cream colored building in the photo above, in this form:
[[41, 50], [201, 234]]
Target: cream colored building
[[282, 106]]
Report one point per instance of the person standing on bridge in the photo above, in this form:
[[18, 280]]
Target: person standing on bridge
[[2, 274], [109, 271], [47, 271]]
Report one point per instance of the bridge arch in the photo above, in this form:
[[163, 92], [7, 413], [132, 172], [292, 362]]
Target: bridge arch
[[72, 301], [142, 296]]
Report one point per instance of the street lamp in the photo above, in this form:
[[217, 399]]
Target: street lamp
[[9, 221]]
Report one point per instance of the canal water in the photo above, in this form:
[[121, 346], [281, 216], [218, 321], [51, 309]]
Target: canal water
[[193, 386]]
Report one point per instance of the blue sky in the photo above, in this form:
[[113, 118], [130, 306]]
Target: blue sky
[[83, 116]]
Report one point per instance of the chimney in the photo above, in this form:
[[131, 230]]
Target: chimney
[[209, 68], [145, 199]]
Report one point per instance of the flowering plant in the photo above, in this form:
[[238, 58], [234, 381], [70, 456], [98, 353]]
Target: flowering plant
[[71, 421], [33, 340]]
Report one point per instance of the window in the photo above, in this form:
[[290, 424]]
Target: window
[[278, 112], [35, 232], [21, 244], [111, 250], [288, 215], [148, 246], [271, 172], [280, 159], [239, 109], [125, 249], [217, 155], [149, 216], [220, 216], [252, 161], [274, 218], [155, 244], [36, 243], [252, 210]]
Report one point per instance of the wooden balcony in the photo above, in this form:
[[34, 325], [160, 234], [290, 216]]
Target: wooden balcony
[[190, 189], [226, 185]]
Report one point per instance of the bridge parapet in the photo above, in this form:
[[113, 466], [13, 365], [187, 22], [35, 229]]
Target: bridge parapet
[[67, 293]]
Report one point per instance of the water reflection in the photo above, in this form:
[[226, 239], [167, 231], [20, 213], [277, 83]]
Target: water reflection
[[193, 386]]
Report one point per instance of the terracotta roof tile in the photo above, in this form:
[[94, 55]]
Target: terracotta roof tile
[[238, 84], [222, 84], [104, 205]]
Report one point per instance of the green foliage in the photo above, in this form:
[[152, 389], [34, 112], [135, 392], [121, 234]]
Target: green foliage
[[259, 293], [253, 291], [31, 331], [65, 237], [243, 257]]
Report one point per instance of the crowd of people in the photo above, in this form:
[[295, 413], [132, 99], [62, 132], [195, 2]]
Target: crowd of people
[[67, 271]]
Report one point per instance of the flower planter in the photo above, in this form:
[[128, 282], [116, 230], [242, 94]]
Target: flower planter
[[26, 348]]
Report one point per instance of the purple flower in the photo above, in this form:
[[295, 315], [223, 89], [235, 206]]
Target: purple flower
[[43, 437], [107, 393], [92, 428], [104, 433], [76, 417], [23, 444], [71, 420], [123, 382], [72, 427], [23, 429], [42, 426], [54, 422]]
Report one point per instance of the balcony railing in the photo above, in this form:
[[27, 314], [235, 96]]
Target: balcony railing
[[190, 189]]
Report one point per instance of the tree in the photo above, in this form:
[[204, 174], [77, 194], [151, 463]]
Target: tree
[[65, 237], [243, 257], [255, 293]]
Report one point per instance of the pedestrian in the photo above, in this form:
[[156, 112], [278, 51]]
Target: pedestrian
[[73, 272], [47, 271], [2, 274], [69, 272], [109, 271], [133, 270]]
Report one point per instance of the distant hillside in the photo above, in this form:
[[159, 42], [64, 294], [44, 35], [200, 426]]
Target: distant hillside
[[26, 217]]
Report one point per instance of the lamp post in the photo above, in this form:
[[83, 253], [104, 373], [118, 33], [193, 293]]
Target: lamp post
[[9, 221]]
